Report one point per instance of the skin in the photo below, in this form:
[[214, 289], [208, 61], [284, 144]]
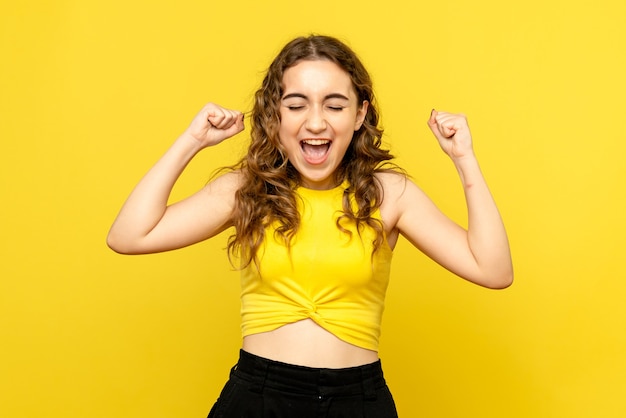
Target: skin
[[319, 103]]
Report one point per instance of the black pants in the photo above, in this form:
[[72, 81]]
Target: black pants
[[262, 388]]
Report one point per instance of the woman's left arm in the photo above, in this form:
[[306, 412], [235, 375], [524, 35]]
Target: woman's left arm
[[479, 254]]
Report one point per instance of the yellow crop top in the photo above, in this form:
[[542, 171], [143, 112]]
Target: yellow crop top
[[328, 276]]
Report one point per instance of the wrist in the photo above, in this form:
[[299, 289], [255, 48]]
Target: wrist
[[185, 148], [466, 160], [190, 142], [468, 169]]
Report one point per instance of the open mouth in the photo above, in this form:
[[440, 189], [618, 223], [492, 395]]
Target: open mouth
[[315, 150]]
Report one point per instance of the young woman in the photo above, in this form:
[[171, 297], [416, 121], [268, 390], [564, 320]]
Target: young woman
[[317, 211]]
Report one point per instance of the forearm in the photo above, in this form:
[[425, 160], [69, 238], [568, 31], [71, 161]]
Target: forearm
[[486, 235], [148, 201]]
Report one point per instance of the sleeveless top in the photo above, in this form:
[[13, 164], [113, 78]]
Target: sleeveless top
[[327, 275]]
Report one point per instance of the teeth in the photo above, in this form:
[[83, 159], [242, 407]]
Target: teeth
[[316, 141]]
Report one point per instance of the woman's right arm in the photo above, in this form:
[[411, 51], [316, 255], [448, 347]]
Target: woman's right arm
[[146, 224]]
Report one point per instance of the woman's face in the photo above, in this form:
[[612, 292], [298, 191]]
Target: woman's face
[[319, 114]]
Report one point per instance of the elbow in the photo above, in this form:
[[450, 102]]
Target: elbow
[[499, 281], [499, 284], [120, 246], [128, 244], [114, 245]]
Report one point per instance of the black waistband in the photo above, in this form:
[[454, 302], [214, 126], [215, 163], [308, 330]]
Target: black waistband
[[262, 372]]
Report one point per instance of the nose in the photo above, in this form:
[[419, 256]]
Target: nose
[[315, 121]]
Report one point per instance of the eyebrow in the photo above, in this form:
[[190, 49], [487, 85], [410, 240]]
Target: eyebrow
[[328, 96]]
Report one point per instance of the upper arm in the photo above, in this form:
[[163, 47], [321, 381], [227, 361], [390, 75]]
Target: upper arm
[[407, 210], [200, 216]]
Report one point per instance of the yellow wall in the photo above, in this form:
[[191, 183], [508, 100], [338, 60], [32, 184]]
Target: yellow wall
[[92, 92]]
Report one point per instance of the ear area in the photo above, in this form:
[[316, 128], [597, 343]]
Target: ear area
[[360, 115]]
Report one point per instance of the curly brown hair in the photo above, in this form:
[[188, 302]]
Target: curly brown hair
[[269, 180]]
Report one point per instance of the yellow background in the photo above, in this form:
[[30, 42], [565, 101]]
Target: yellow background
[[92, 93]]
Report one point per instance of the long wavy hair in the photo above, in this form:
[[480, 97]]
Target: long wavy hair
[[267, 194]]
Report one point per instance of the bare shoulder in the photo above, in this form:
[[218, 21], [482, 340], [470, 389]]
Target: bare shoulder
[[400, 196], [394, 184], [390, 176], [225, 185], [230, 180]]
